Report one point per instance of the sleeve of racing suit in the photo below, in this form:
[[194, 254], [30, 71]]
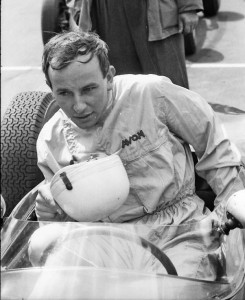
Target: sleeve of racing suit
[[42, 154], [47, 151], [191, 118], [189, 5]]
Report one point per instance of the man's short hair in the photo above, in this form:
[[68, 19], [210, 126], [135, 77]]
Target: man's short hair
[[63, 48]]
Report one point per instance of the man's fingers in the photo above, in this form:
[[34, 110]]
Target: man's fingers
[[45, 216], [188, 22], [187, 29], [44, 203], [181, 25], [46, 213], [43, 206], [45, 193], [45, 197], [46, 208]]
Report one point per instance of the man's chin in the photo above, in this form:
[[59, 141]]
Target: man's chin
[[84, 124]]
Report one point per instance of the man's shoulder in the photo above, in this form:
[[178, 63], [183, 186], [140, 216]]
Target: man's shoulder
[[140, 85], [140, 81]]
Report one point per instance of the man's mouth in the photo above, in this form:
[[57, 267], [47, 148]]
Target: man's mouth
[[84, 117]]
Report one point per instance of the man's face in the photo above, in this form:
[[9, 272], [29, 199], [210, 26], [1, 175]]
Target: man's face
[[81, 91]]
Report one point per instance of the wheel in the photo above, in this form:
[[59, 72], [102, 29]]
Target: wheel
[[190, 43], [54, 18], [51, 240], [20, 127], [211, 7]]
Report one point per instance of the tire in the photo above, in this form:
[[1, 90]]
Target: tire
[[211, 7], [54, 18], [20, 128], [190, 43]]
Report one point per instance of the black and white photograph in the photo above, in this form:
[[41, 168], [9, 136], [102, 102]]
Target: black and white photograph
[[122, 149]]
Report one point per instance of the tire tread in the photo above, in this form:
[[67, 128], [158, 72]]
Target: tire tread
[[20, 128]]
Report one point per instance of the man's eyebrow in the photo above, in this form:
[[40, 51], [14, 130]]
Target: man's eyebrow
[[90, 84], [62, 89]]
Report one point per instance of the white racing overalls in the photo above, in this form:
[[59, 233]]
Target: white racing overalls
[[153, 122]]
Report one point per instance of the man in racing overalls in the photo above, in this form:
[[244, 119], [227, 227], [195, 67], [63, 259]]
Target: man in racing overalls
[[153, 123]]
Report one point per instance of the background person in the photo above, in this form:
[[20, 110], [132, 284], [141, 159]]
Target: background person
[[144, 37]]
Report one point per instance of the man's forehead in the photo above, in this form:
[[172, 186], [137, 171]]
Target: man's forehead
[[76, 71], [85, 61], [85, 58]]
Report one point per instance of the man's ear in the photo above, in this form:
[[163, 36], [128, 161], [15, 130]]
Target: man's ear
[[109, 76]]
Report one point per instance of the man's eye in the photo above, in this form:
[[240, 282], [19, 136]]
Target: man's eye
[[89, 88], [63, 93]]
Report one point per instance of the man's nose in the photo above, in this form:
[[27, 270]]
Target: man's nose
[[79, 104]]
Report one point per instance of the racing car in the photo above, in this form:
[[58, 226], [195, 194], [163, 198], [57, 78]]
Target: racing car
[[43, 260], [59, 271]]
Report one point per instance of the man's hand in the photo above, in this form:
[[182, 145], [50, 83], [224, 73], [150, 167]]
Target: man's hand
[[208, 228], [188, 21], [46, 208], [3, 207]]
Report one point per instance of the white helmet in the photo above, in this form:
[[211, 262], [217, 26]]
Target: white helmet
[[92, 190]]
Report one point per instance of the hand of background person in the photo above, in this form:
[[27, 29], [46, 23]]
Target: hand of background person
[[46, 208], [188, 21]]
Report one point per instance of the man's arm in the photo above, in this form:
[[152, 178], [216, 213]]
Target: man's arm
[[46, 208], [191, 118]]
